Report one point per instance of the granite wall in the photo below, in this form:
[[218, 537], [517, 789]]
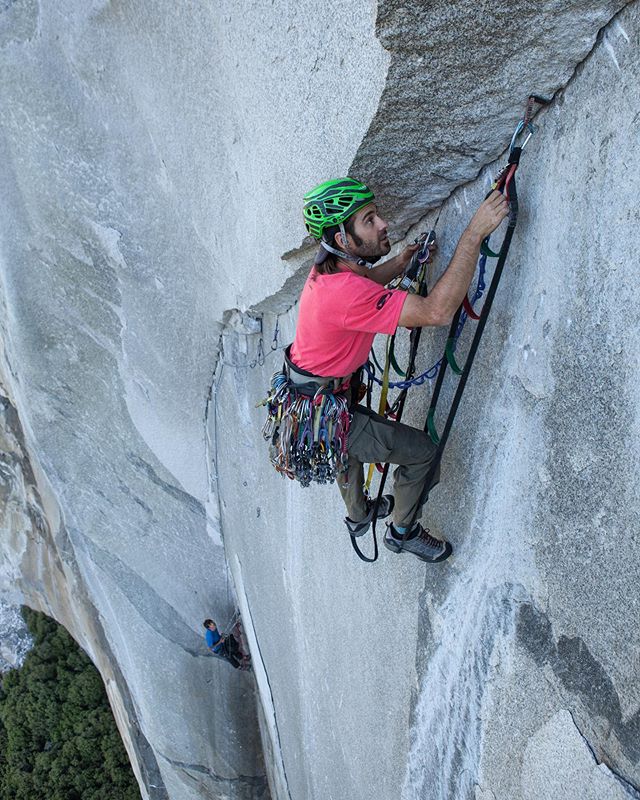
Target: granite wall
[[153, 157]]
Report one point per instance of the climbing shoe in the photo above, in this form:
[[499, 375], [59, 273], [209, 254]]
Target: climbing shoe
[[417, 541], [360, 527]]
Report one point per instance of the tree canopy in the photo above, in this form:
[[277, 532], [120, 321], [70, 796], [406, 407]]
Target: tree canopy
[[58, 738]]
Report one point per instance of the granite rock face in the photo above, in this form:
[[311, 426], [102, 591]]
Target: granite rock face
[[15, 639], [152, 159]]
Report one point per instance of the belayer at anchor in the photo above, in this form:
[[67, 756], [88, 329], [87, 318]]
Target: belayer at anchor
[[225, 645], [318, 432]]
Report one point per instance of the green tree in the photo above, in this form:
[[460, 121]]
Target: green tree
[[58, 738]]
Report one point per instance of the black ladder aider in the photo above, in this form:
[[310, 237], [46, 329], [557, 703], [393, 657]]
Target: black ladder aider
[[505, 183]]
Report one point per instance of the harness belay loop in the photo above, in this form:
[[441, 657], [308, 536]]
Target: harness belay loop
[[307, 433]]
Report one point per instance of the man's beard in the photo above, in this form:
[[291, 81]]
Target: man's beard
[[371, 251]]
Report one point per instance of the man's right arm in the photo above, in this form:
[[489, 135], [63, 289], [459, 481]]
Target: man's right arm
[[445, 297]]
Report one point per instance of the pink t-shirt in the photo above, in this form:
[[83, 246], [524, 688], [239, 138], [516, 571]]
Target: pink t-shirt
[[338, 319]]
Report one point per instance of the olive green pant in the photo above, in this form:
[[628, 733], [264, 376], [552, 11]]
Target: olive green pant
[[374, 439]]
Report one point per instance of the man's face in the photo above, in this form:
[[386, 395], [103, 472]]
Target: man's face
[[370, 234]]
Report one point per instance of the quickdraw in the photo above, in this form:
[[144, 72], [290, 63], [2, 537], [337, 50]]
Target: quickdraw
[[505, 183], [307, 433]]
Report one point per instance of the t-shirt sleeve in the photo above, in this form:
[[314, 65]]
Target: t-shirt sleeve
[[373, 308]]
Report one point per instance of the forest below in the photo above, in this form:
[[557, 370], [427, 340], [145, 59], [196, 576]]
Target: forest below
[[58, 737]]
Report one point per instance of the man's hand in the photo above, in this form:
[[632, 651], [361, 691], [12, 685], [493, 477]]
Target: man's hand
[[404, 257], [489, 215], [396, 266], [445, 297]]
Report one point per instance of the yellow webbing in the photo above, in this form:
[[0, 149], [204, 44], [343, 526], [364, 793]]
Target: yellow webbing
[[382, 406]]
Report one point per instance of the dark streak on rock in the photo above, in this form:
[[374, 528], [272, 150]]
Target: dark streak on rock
[[255, 785], [159, 614], [598, 711], [127, 491], [179, 494]]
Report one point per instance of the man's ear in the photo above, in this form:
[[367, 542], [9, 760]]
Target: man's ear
[[340, 241]]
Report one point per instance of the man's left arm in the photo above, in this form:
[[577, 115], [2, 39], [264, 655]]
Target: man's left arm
[[394, 267]]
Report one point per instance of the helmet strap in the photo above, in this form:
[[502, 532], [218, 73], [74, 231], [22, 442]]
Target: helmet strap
[[346, 256], [343, 231]]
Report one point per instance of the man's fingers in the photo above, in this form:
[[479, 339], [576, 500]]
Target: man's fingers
[[492, 211], [498, 204], [496, 198]]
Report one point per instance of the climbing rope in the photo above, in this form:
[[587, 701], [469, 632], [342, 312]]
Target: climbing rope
[[228, 628]]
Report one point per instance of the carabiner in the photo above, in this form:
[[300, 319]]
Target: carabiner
[[525, 123], [520, 128]]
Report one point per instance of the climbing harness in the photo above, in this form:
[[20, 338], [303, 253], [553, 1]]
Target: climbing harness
[[506, 184], [307, 425], [308, 416]]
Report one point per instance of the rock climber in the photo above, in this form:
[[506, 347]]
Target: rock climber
[[343, 305], [227, 647]]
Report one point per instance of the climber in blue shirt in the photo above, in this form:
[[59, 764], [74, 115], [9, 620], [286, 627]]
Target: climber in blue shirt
[[226, 647]]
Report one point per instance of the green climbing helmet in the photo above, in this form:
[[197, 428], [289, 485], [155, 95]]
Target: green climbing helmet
[[333, 202]]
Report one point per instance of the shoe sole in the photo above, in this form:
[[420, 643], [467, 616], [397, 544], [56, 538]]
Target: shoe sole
[[395, 548], [365, 530]]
